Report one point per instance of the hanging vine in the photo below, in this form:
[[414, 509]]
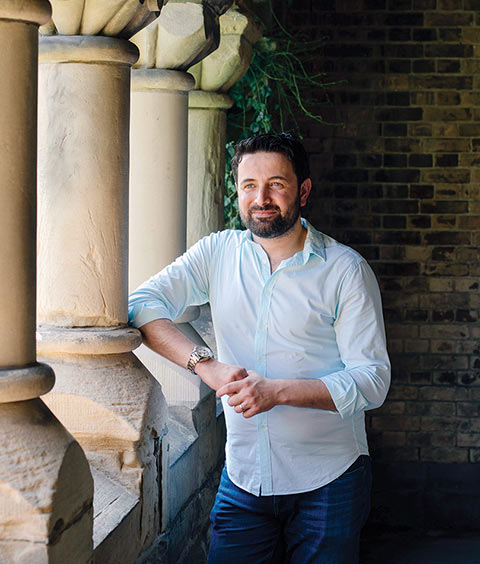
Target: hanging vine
[[276, 88]]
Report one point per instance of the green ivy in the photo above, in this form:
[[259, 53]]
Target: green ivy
[[269, 96]]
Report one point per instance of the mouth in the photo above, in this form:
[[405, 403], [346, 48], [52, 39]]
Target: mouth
[[263, 213]]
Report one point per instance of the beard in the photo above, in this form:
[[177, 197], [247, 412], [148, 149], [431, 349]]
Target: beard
[[270, 227]]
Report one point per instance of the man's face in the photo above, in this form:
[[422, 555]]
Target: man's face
[[269, 199]]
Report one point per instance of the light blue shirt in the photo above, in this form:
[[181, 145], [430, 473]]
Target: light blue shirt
[[318, 316]]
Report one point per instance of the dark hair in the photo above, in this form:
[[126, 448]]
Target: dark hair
[[283, 143]]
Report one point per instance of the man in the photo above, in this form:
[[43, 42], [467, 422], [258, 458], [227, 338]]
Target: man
[[302, 355]]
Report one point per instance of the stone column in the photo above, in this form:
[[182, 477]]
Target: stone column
[[185, 32], [208, 103], [46, 493], [104, 395]]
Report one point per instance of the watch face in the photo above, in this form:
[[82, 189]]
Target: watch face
[[203, 351]]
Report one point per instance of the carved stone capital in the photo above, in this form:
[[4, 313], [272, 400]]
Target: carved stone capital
[[226, 65], [185, 33], [116, 18]]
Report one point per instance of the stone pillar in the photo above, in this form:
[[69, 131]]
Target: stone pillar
[[46, 486], [185, 32], [104, 395], [207, 128]]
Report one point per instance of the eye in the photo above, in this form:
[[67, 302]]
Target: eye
[[249, 186], [277, 184]]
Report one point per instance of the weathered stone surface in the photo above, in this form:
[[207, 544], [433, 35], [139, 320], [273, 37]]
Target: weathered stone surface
[[114, 408], [226, 65], [185, 33], [83, 181], [45, 486], [206, 163], [122, 18]]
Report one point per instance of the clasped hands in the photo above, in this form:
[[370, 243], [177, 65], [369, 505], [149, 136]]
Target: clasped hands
[[249, 392], [251, 395]]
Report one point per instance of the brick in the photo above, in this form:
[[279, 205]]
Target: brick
[[395, 129], [394, 206], [397, 175], [438, 454], [420, 377], [423, 66], [412, 19], [442, 82], [446, 238], [400, 66], [395, 160], [446, 160], [444, 377], [469, 129], [424, 34], [397, 454], [397, 269], [457, 145], [399, 114], [370, 160], [444, 222], [451, 34], [444, 206], [449, 99], [395, 191], [438, 19], [417, 346], [396, 423], [398, 98], [440, 285], [440, 408], [397, 237], [402, 331], [420, 129], [391, 408], [474, 455], [394, 222], [466, 316], [403, 145], [448, 66], [394, 438], [450, 4], [447, 114], [468, 409], [467, 285], [421, 191], [399, 34], [444, 439], [440, 269], [419, 439], [436, 393], [419, 222], [439, 424], [422, 98], [420, 160], [443, 331], [454, 176], [437, 50]]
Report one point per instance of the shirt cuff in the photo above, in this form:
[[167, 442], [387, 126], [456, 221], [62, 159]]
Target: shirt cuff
[[141, 314], [344, 392]]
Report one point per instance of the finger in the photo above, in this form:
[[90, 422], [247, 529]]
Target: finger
[[235, 400], [230, 388], [241, 374]]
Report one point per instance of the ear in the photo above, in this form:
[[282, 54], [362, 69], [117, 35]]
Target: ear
[[305, 190]]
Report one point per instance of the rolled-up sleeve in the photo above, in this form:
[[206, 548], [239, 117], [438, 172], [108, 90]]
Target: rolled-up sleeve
[[360, 334], [183, 283]]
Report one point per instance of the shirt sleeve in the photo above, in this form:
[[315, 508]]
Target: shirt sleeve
[[183, 283], [360, 334]]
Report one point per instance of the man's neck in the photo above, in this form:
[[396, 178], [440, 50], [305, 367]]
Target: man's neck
[[284, 246]]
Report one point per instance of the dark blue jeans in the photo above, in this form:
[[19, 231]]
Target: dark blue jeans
[[321, 526]]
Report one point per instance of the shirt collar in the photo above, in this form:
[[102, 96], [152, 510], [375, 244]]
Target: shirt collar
[[314, 243]]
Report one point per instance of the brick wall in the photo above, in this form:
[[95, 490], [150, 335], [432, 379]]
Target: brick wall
[[399, 180]]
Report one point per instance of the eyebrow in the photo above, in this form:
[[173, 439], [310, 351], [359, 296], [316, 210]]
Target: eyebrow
[[271, 178]]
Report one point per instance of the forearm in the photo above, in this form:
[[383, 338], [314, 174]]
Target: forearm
[[163, 337], [303, 393]]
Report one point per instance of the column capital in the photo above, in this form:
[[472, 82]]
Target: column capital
[[185, 33], [86, 49], [121, 18], [226, 65], [32, 11]]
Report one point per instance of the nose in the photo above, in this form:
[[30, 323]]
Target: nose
[[263, 195]]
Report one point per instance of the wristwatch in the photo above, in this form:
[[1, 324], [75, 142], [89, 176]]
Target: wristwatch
[[199, 354]]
